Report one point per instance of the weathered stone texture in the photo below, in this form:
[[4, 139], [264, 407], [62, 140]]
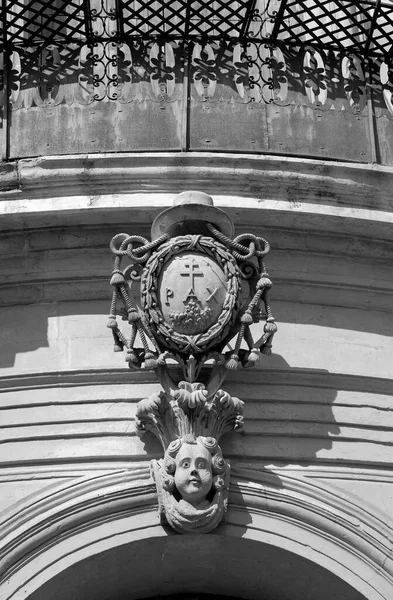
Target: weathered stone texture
[[318, 413]]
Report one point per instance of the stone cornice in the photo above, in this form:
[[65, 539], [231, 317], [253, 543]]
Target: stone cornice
[[301, 193], [331, 527]]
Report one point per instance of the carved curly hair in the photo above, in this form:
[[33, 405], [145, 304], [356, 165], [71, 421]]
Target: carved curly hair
[[219, 465]]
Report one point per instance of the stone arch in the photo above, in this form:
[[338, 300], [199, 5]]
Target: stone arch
[[101, 538]]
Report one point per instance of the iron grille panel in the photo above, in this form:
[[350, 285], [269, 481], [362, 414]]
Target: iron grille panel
[[185, 18], [154, 18], [363, 26], [37, 21], [337, 24], [382, 34], [218, 18]]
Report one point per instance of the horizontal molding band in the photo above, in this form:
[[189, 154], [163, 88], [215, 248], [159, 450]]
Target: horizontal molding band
[[325, 293], [118, 170], [92, 241], [329, 430], [301, 415], [141, 469], [376, 413], [236, 382], [297, 192], [62, 408], [281, 451]]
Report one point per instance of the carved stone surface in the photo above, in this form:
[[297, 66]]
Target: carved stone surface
[[192, 480], [192, 293], [193, 301], [192, 483], [190, 297], [189, 411], [199, 289]]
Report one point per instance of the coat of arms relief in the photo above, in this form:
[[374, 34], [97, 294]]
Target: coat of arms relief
[[202, 291]]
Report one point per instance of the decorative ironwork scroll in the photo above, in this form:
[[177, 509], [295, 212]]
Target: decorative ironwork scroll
[[84, 51], [203, 293]]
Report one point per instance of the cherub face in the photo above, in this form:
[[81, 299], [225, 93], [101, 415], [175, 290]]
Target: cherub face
[[193, 475]]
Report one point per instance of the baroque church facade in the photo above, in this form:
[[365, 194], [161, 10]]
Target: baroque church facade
[[248, 146]]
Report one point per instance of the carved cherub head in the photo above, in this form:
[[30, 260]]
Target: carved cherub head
[[194, 469]]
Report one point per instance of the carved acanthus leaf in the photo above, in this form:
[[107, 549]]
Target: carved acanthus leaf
[[189, 411]]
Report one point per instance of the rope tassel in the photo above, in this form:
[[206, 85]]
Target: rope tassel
[[117, 278], [118, 344]]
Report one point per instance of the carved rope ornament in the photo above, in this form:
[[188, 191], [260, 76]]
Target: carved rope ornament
[[190, 294], [202, 291]]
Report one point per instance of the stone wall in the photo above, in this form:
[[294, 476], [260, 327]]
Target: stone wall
[[318, 412]]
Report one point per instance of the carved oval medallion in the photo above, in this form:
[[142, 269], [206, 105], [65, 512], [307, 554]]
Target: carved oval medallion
[[190, 289], [192, 292]]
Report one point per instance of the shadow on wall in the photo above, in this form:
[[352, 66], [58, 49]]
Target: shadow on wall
[[23, 329], [288, 414], [78, 263], [288, 418], [334, 317], [26, 328]]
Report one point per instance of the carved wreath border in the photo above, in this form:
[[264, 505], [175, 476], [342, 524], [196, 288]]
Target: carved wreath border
[[179, 245]]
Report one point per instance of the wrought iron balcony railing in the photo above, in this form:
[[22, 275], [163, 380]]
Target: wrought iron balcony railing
[[198, 60]]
